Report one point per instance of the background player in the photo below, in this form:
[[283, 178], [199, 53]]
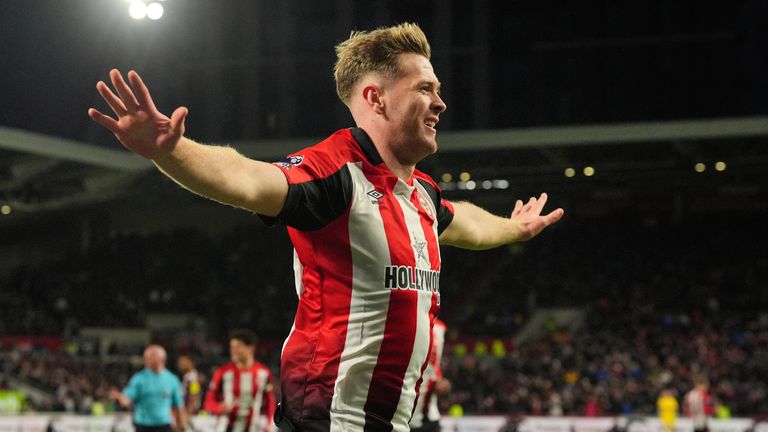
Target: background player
[[241, 392], [667, 408], [697, 405], [191, 384]]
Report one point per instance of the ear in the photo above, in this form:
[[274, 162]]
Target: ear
[[373, 97]]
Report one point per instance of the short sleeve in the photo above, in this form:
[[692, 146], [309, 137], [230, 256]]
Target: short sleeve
[[318, 193], [131, 391]]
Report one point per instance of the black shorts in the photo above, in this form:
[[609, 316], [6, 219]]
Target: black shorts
[[163, 428]]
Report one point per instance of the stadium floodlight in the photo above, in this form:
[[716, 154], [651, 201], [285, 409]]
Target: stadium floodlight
[[589, 171], [487, 184], [447, 177], [570, 172], [720, 166], [5, 209], [137, 9], [501, 184], [464, 176], [700, 167], [155, 11], [471, 185]]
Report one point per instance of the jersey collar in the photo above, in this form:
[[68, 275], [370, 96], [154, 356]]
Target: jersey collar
[[366, 145]]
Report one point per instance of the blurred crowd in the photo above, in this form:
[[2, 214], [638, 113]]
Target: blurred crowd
[[619, 364], [666, 302], [70, 383], [122, 279]]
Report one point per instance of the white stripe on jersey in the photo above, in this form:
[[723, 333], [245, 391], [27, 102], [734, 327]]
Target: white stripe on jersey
[[228, 390], [257, 421], [246, 393], [228, 387], [418, 413], [298, 273], [420, 350], [368, 308]]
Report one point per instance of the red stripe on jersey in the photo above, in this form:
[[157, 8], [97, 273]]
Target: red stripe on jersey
[[400, 328], [394, 356], [310, 360]]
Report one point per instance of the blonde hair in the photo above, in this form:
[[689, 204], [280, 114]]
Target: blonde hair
[[375, 51]]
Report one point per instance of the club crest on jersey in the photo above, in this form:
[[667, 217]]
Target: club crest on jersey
[[425, 205], [295, 160], [290, 162]]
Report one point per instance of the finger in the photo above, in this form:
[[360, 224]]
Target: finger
[[106, 121], [541, 202], [518, 207], [527, 207], [554, 216], [142, 92], [113, 101], [177, 121], [129, 100]]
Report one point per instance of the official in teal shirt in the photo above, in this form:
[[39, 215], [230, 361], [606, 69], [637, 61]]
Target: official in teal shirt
[[154, 392]]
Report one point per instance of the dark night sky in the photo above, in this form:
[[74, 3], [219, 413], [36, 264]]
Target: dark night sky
[[262, 69]]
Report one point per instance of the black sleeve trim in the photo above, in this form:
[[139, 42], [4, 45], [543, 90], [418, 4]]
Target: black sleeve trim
[[444, 216], [314, 204]]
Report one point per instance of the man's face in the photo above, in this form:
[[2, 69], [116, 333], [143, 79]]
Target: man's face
[[185, 364], [154, 359], [412, 106], [239, 352]]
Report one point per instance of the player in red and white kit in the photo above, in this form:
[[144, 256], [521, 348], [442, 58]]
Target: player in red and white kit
[[241, 392], [698, 406], [426, 416], [366, 226]]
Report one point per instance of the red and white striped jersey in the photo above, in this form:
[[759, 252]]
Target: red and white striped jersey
[[367, 265], [697, 406], [248, 393], [426, 407]]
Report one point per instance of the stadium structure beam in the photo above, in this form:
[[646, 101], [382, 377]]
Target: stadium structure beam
[[554, 136], [538, 137], [63, 149]]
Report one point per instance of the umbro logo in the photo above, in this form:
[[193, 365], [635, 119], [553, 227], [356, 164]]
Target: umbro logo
[[375, 194]]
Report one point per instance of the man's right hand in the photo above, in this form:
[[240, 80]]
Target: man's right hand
[[140, 127]]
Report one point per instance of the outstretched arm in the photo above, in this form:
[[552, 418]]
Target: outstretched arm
[[119, 397], [475, 228], [219, 173]]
